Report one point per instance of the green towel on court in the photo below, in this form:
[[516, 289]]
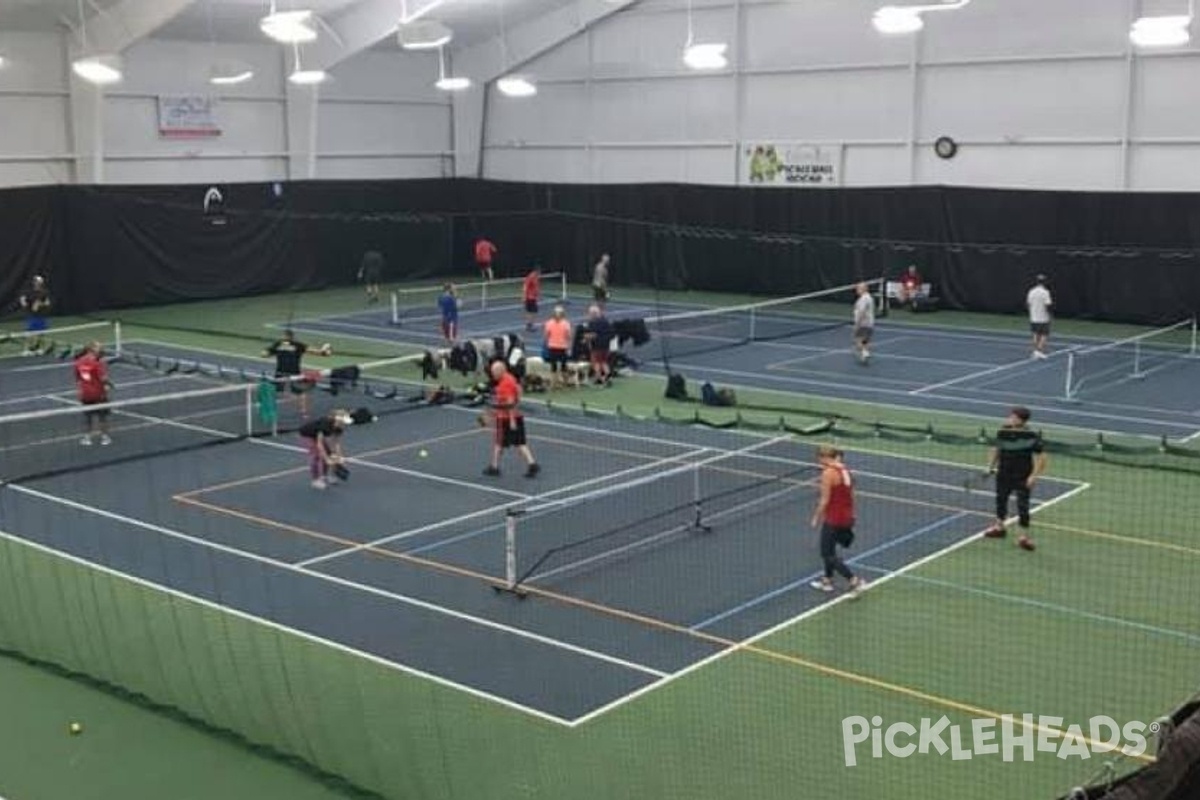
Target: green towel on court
[[268, 402]]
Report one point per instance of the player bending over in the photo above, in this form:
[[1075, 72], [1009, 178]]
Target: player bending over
[[1018, 460], [322, 438]]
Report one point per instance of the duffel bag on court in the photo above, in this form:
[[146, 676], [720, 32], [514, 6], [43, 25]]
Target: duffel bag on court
[[712, 396], [676, 387]]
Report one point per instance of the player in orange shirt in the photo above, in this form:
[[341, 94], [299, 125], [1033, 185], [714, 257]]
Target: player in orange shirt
[[558, 336], [509, 422]]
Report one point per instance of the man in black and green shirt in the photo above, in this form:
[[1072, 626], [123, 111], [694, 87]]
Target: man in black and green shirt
[[1017, 460]]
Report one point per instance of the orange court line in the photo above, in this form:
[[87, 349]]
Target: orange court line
[[651, 622]]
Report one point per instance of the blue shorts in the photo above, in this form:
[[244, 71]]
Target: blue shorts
[[35, 323]]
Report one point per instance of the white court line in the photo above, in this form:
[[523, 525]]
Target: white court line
[[758, 637], [1044, 605], [498, 509], [25, 398], [354, 336], [867, 389], [888, 354], [310, 637], [414, 602], [1025, 362]]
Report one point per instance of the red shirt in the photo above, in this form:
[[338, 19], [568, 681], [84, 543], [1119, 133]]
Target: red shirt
[[508, 394], [533, 286], [484, 251], [91, 375], [912, 280], [840, 510]]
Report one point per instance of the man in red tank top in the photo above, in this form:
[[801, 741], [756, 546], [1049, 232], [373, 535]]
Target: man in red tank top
[[834, 515]]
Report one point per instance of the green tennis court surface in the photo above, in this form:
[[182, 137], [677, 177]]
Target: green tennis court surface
[[359, 629]]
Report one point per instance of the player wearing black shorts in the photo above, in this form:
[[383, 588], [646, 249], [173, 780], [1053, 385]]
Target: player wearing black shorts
[[288, 354], [1018, 459]]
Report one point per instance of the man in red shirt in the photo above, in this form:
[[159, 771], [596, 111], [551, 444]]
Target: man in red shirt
[[910, 285], [532, 293], [509, 422], [91, 378], [485, 252], [835, 516]]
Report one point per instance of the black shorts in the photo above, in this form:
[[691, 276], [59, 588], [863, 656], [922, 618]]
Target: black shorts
[[370, 276], [862, 333], [833, 536], [557, 359], [95, 413], [287, 380], [531, 306], [1040, 328], [509, 435], [599, 293]]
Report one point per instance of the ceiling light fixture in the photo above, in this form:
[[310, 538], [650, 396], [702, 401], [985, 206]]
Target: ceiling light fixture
[[1167, 31], [449, 83], [289, 27], [900, 20], [424, 36], [703, 55], [221, 77], [516, 86], [100, 70], [301, 76]]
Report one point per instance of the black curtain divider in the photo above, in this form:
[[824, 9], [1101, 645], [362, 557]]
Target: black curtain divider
[[1128, 257]]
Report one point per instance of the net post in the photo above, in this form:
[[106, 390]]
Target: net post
[[1067, 393], [395, 308], [1192, 351], [117, 338], [563, 280], [483, 296], [250, 390], [1137, 359], [753, 326]]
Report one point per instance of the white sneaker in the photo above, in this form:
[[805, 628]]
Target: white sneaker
[[330, 480], [319, 483], [86, 441], [866, 356], [822, 585], [856, 586], [1038, 354], [104, 439]]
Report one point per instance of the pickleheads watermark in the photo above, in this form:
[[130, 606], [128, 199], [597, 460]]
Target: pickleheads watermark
[[1009, 737]]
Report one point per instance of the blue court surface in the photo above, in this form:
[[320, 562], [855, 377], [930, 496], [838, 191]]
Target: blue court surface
[[400, 564], [1145, 387]]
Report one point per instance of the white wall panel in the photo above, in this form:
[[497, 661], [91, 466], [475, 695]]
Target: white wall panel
[[1040, 99], [1166, 101], [661, 165], [332, 168], [382, 128], [819, 32], [35, 173], [1166, 167], [33, 124], [1026, 166], [131, 128], [557, 113], [827, 106], [681, 109], [538, 164], [196, 170], [881, 165], [1025, 28]]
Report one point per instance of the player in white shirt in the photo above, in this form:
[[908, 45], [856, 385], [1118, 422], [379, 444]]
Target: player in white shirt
[[864, 322], [1039, 303]]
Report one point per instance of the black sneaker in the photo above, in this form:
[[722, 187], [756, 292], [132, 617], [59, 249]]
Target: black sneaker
[[491, 472], [533, 470]]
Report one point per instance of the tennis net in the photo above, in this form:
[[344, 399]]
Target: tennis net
[[695, 332], [569, 536], [62, 342], [1128, 359], [420, 303], [51, 442]]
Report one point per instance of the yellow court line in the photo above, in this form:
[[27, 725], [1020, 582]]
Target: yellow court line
[[653, 622], [1116, 537]]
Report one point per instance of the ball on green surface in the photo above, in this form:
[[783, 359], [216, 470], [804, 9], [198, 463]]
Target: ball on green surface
[[75, 729]]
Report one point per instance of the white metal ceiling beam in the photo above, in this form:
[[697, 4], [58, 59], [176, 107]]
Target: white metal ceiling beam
[[129, 21], [527, 40], [359, 28]]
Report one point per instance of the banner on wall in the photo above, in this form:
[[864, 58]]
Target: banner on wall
[[782, 164], [187, 117]]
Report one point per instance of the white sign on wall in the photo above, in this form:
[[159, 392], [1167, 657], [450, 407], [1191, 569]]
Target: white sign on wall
[[187, 117], [776, 164]]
